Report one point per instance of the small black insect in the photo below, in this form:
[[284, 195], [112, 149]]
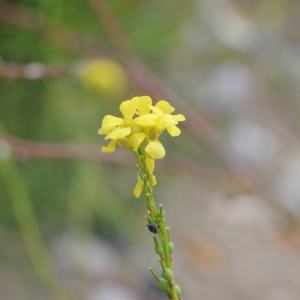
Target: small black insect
[[152, 228]]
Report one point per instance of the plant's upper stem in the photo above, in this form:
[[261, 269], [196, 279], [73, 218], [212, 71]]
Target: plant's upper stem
[[156, 216]]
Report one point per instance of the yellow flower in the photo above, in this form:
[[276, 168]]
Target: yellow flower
[[139, 129], [103, 75], [157, 119], [118, 129], [141, 121], [160, 119]]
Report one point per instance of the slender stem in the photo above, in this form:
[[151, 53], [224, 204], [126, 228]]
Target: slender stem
[[156, 217]]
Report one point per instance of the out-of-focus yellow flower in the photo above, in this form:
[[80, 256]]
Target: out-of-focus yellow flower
[[139, 130], [103, 75]]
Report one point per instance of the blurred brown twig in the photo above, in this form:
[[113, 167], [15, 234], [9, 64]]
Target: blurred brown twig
[[31, 71], [24, 149]]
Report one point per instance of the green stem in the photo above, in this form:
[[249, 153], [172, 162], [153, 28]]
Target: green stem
[[163, 246], [29, 228]]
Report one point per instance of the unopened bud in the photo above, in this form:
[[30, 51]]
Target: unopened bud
[[168, 274], [177, 288], [158, 248], [171, 247], [163, 284]]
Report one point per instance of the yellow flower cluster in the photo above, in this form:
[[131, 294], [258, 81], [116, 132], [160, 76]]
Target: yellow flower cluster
[[142, 124]]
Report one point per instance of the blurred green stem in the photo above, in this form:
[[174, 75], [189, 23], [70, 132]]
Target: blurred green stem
[[29, 228]]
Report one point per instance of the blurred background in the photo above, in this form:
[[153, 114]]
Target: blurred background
[[69, 225]]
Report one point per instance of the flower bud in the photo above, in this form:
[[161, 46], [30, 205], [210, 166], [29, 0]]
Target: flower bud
[[168, 274], [158, 248], [171, 247], [177, 289], [163, 284]]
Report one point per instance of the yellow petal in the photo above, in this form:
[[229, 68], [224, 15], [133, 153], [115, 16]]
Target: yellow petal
[[179, 118], [136, 139], [128, 108], [138, 189], [150, 164], [153, 180], [119, 133], [102, 131], [109, 122], [167, 120], [143, 104], [174, 130], [155, 149], [110, 147], [165, 106], [147, 120], [157, 111]]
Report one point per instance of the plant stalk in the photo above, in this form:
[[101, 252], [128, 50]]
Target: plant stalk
[[162, 242]]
